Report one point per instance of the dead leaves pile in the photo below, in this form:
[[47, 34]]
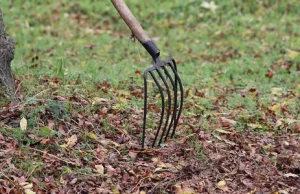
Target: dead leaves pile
[[232, 162]]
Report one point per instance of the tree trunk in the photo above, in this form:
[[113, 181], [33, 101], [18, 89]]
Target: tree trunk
[[7, 84]]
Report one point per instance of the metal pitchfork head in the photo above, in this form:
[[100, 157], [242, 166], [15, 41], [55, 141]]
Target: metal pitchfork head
[[172, 108]]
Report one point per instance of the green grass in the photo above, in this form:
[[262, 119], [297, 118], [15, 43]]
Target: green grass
[[72, 49]]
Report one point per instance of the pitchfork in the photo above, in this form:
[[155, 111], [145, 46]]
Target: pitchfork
[[173, 113]]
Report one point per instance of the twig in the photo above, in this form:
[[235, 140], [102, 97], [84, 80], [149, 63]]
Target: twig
[[6, 176], [26, 102], [56, 157], [139, 183]]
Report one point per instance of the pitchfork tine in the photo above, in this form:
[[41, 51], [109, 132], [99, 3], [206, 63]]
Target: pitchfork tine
[[169, 105], [145, 109], [175, 101], [162, 108], [177, 80]]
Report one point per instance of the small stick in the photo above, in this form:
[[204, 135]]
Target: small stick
[[56, 157]]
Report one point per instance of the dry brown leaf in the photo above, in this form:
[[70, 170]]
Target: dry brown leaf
[[177, 189], [98, 101], [73, 181], [110, 170], [183, 189], [227, 122], [132, 154]]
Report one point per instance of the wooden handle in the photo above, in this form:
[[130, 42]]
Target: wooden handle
[[131, 21]]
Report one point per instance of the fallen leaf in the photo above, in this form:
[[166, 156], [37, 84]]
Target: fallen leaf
[[99, 169], [93, 136], [187, 190], [29, 191], [227, 122], [209, 5], [113, 159], [98, 101], [282, 192], [139, 73], [155, 160], [270, 73], [23, 124], [177, 189], [276, 91], [275, 107], [248, 183], [63, 181], [279, 123], [158, 169], [222, 186], [293, 54], [115, 190], [28, 186], [223, 131], [132, 154], [267, 148], [70, 142], [254, 126], [291, 175], [73, 181], [51, 124], [110, 170], [109, 142]]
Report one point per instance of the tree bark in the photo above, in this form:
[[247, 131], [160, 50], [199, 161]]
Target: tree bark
[[7, 84]]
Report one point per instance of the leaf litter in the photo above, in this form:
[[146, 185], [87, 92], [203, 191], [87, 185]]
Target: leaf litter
[[74, 154], [92, 162]]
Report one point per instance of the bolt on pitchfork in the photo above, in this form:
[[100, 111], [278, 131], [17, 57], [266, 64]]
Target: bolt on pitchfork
[[160, 67]]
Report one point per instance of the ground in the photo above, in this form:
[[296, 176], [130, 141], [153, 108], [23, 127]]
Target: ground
[[79, 78]]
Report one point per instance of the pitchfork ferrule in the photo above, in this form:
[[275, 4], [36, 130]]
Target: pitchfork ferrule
[[152, 49]]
